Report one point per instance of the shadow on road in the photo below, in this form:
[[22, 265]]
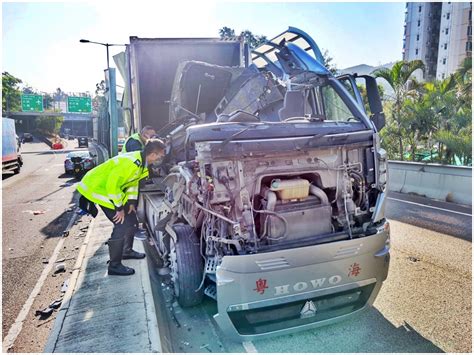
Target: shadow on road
[[71, 178], [368, 332], [57, 226], [6, 176]]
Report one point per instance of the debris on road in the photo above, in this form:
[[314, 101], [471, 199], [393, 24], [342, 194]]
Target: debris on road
[[65, 234], [413, 259], [45, 261], [65, 286], [56, 304], [11, 249], [44, 313], [60, 260], [59, 268], [35, 213]]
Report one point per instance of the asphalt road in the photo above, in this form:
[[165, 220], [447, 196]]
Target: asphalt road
[[36, 210], [423, 306]]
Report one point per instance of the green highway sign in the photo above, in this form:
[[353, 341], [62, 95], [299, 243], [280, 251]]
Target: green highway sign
[[79, 104], [30, 102]]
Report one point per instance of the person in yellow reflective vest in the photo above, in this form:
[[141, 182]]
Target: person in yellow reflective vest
[[137, 140], [113, 185]]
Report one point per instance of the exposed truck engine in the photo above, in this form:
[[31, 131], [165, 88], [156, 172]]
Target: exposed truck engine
[[271, 197]]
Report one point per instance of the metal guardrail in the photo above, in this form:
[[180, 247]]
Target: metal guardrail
[[441, 182]]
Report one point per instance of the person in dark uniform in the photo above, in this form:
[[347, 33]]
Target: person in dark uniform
[[137, 140]]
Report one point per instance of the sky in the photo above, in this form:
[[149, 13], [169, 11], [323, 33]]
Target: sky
[[40, 41]]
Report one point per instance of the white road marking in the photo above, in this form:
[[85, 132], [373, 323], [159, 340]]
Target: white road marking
[[249, 347], [15, 329], [433, 207]]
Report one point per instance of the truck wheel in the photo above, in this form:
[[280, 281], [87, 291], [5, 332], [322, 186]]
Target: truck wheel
[[186, 266]]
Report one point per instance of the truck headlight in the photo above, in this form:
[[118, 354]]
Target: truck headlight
[[383, 168]]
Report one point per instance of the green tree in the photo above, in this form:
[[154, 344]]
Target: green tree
[[49, 125], [457, 144], [363, 93], [226, 33], [463, 78], [253, 40], [398, 77], [328, 62], [28, 90], [11, 94]]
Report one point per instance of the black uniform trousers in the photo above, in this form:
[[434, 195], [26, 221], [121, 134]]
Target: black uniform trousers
[[127, 228]]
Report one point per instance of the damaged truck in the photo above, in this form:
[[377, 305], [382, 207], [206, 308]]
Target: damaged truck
[[271, 197]]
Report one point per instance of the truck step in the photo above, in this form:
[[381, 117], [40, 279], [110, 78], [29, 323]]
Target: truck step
[[211, 291]]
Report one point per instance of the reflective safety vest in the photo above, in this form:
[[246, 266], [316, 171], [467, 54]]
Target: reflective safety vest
[[135, 136], [114, 182]]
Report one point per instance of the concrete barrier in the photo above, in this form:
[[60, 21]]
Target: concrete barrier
[[441, 182], [101, 150]]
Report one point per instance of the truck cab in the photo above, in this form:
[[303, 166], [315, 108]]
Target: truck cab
[[271, 199]]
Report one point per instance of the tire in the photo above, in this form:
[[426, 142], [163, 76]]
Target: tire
[[17, 169], [186, 266]]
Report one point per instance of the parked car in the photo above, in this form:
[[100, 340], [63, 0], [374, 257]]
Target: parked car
[[79, 162], [27, 137], [83, 141]]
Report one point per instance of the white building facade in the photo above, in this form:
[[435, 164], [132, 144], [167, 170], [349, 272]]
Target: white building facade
[[439, 34]]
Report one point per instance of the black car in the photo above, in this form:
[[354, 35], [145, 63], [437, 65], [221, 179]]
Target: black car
[[83, 141], [27, 137]]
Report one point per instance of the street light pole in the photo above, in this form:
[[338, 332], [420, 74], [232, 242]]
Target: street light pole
[[106, 45], [112, 98]]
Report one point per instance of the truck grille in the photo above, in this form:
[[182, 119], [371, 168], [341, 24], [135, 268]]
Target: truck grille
[[288, 315]]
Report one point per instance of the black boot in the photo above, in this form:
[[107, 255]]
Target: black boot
[[115, 266], [128, 252]]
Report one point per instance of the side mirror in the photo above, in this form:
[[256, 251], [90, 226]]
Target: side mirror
[[379, 120], [375, 103]]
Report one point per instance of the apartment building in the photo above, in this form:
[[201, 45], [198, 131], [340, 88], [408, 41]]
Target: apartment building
[[439, 34]]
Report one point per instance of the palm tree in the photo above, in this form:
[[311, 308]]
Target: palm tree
[[463, 78], [399, 79]]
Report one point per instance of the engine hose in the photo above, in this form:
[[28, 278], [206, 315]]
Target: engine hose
[[360, 178], [319, 193], [277, 215]]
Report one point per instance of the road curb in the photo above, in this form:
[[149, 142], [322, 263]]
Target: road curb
[[58, 323], [154, 337]]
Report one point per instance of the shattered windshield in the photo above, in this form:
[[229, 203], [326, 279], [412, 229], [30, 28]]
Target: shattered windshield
[[334, 107]]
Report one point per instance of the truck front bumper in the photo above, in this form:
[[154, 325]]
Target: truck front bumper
[[290, 290]]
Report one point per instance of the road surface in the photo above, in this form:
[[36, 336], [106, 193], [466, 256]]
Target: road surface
[[37, 207]]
